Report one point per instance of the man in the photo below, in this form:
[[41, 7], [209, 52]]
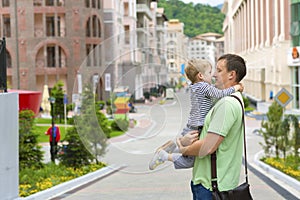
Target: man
[[222, 132], [53, 145]]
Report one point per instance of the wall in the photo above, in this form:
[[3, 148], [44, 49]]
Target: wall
[[9, 148]]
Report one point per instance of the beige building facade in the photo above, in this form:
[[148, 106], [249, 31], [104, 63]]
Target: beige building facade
[[176, 46], [258, 30]]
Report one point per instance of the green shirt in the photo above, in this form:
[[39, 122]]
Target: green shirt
[[224, 119]]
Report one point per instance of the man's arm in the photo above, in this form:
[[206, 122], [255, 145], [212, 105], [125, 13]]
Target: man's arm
[[202, 147]]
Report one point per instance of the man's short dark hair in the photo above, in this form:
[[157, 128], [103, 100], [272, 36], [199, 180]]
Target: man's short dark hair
[[235, 63]]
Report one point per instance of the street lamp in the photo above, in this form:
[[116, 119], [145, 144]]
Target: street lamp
[[52, 147]]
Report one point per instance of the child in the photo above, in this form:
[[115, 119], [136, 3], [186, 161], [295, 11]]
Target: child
[[202, 96]]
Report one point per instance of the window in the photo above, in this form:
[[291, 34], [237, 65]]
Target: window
[[295, 23], [8, 60], [50, 29], [92, 54], [55, 26], [127, 34], [37, 2], [87, 3], [5, 3], [296, 87], [55, 56], [93, 4], [6, 26], [49, 3], [93, 28], [51, 56]]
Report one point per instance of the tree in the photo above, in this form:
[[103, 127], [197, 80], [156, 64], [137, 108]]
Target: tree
[[58, 93], [290, 137], [30, 153], [197, 19], [92, 131], [271, 129], [74, 153]]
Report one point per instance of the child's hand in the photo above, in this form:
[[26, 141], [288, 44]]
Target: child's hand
[[239, 87], [189, 138]]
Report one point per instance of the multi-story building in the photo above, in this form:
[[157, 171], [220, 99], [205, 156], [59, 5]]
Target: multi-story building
[[176, 45], [259, 30], [80, 41], [203, 46], [219, 43], [48, 40]]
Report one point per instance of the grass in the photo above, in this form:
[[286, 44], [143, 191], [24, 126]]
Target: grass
[[47, 121], [116, 133]]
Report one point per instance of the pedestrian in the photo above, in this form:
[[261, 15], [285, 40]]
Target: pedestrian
[[53, 143], [222, 132], [202, 96]]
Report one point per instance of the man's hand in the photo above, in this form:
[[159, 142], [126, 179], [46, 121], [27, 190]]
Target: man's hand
[[189, 138]]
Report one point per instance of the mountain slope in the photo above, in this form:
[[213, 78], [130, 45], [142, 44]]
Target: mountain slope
[[197, 18]]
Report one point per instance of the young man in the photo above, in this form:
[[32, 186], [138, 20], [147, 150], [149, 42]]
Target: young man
[[222, 132]]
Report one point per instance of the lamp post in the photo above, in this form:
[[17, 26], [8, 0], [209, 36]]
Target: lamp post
[[53, 147]]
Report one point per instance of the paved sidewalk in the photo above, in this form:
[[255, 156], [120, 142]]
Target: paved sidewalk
[[265, 183]]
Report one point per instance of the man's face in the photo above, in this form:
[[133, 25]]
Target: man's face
[[221, 75]]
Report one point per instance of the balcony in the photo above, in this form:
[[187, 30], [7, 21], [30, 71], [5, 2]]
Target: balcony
[[144, 9]]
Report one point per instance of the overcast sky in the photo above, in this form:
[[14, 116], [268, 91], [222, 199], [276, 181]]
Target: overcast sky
[[210, 2]]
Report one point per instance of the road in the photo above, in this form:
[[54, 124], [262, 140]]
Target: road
[[157, 124]]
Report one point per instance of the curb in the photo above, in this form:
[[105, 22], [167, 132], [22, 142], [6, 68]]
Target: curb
[[291, 182], [65, 187]]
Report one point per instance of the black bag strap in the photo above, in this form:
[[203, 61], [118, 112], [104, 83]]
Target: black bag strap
[[213, 156]]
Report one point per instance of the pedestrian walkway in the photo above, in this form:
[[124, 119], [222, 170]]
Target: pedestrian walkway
[[265, 182]]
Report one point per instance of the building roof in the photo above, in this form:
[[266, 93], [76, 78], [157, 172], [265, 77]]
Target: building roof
[[210, 34], [221, 39]]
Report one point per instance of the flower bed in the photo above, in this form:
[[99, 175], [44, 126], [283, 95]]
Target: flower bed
[[36, 180], [290, 166]]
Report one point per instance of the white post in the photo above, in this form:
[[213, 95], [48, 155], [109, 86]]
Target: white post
[[9, 149]]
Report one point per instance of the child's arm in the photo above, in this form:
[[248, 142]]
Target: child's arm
[[211, 91], [239, 87]]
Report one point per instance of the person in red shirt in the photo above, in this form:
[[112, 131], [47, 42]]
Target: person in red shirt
[[56, 135]]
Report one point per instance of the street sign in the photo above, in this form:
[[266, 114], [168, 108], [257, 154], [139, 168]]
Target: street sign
[[283, 97]]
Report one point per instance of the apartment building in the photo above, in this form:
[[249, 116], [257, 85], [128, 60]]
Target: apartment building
[[259, 30], [176, 46], [81, 42], [204, 46], [48, 40]]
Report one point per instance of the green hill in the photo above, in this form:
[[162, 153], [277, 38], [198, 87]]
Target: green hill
[[197, 18]]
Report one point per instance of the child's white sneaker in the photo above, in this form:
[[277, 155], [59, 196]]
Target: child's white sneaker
[[159, 158]]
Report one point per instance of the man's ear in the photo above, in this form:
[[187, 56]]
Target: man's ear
[[232, 75]]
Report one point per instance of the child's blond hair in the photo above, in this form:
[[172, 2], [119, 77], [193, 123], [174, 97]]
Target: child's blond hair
[[195, 66]]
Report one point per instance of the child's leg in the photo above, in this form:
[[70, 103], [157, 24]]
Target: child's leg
[[182, 162], [168, 146]]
